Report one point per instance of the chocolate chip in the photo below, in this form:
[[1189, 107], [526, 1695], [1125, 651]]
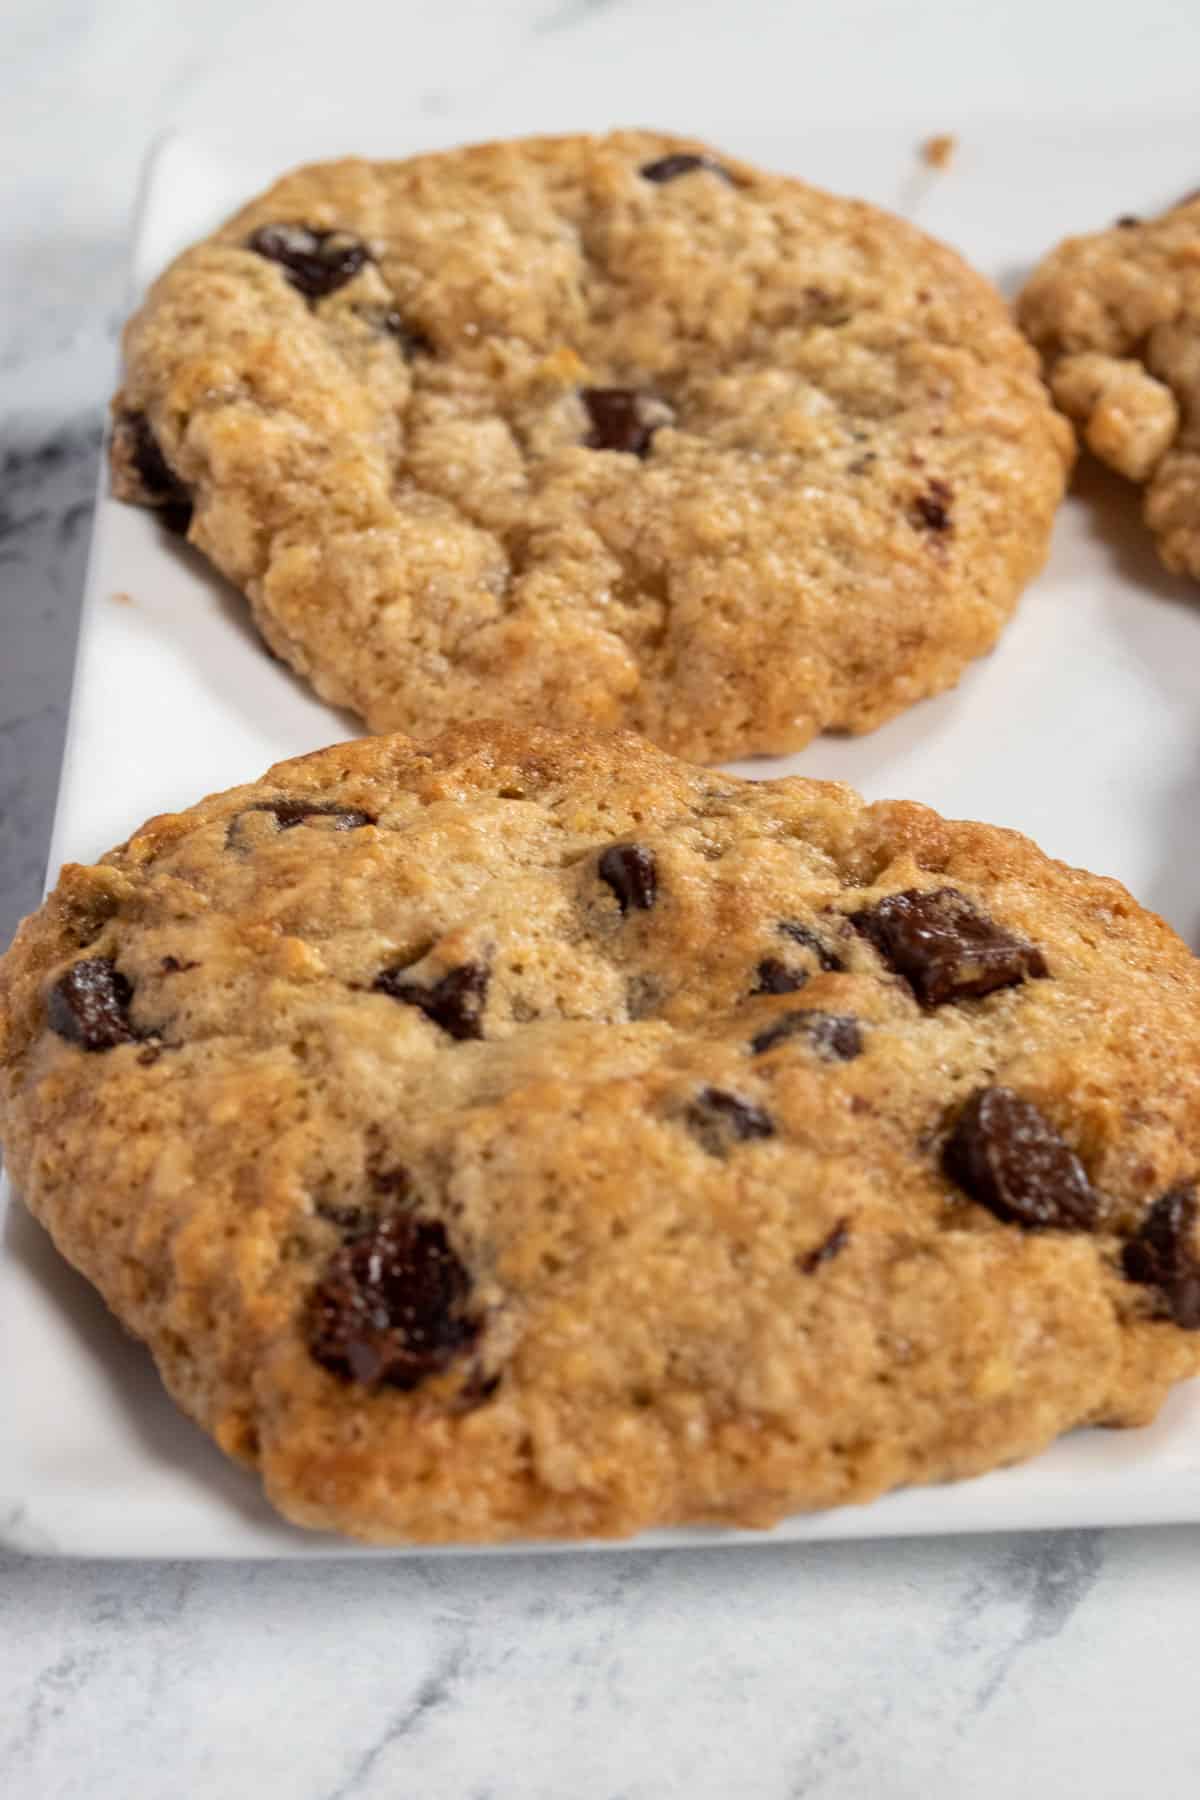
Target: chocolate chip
[[162, 488], [829, 1247], [931, 509], [89, 1005], [632, 874], [808, 940], [681, 162], [298, 812], [315, 262], [716, 1119], [835, 1036], [1163, 1254], [456, 1002], [945, 947], [390, 1307], [171, 965], [290, 813], [617, 420], [1007, 1155], [774, 977]]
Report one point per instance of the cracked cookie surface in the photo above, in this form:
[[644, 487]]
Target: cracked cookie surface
[[1116, 315], [595, 431], [524, 1134]]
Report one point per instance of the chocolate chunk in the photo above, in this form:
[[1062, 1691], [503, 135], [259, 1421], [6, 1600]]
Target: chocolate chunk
[[456, 1002], [632, 874], [161, 487], [617, 420], [946, 947], [825, 1251], [778, 977], [774, 977], [835, 1036], [931, 510], [89, 1005], [808, 940], [681, 162], [1163, 1254], [1007, 1155], [390, 1308], [297, 812], [315, 262], [717, 1119]]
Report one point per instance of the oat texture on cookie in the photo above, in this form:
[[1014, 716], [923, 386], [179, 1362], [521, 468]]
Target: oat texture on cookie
[[525, 1134], [1116, 316], [595, 431]]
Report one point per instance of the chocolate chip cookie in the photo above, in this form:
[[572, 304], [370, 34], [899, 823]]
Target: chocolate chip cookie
[[595, 431], [1116, 316], [527, 1135]]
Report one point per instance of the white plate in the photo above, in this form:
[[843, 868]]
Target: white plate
[[1081, 729]]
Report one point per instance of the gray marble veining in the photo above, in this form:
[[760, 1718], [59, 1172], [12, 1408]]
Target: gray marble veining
[[991, 1667]]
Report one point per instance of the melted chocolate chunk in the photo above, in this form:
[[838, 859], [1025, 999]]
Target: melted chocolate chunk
[[456, 1002], [1163, 1254], [1007, 1155], [825, 1251], [290, 813], [89, 1005], [835, 1036], [617, 420], [945, 947], [681, 162], [774, 977], [297, 812], [315, 262], [931, 510], [717, 1119], [632, 874], [390, 1308], [163, 489], [808, 940]]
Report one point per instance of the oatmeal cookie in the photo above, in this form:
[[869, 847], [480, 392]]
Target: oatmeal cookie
[[1116, 316], [595, 431], [528, 1135]]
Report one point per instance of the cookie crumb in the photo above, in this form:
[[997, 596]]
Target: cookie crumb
[[939, 151]]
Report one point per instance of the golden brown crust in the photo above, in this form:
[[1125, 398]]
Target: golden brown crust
[[855, 472], [678, 1310]]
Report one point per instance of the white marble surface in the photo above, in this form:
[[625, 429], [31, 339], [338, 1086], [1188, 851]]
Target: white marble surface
[[991, 1667]]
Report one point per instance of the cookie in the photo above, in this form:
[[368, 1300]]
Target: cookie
[[1116, 316], [597, 432], [527, 1135]]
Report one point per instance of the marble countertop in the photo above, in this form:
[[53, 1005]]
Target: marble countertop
[[1043, 1664]]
